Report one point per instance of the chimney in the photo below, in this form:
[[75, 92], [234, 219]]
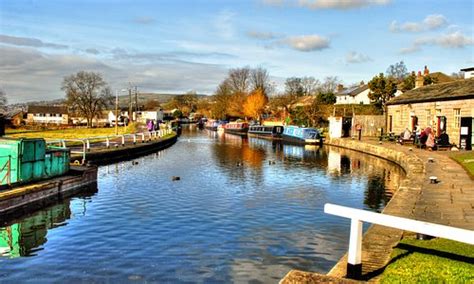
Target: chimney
[[340, 88], [426, 71], [419, 80]]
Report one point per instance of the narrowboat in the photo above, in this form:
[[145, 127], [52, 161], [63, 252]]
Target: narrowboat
[[266, 131], [212, 125], [303, 135], [239, 128]]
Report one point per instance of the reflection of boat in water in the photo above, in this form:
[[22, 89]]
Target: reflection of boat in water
[[267, 132], [303, 135], [220, 128], [239, 128]]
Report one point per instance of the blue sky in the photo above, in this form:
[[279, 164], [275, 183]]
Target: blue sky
[[178, 46]]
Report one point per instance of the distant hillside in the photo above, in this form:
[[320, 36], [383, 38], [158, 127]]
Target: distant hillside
[[143, 97], [123, 100]]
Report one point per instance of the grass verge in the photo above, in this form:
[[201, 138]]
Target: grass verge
[[72, 133], [430, 261], [466, 160]]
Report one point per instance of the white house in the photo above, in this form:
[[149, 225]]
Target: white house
[[355, 95], [468, 72], [47, 115], [143, 116]]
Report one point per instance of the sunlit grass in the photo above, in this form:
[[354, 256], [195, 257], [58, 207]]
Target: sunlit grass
[[430, 261], [71, 133], [466, 160]]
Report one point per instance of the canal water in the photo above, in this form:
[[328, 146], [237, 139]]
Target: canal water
[[244, 210]]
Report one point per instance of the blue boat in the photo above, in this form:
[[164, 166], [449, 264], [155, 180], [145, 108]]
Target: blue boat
[[302, 135], [266, 131]]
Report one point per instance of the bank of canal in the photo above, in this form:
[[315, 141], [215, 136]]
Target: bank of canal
[[243, 210]]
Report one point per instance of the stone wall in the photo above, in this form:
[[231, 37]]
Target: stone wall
[[427, 112]]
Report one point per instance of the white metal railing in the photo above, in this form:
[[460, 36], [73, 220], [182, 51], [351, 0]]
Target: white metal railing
[[357, 216], [123, 138]]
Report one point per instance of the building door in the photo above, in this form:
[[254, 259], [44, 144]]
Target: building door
[[465, 139], [441, 125], [346, 126], [414, 122], [390, 120]]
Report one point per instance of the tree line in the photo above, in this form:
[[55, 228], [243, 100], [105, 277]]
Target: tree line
[[246, 93]]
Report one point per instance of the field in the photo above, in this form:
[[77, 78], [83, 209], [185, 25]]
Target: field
[[70, 133]]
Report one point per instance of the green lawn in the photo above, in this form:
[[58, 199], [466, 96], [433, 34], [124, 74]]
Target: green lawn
[[430, 261], [71, 133], [465, 159]]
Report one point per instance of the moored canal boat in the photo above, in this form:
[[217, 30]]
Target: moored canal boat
[[302, 135], [239, 128], [212, 125], [266, 131]]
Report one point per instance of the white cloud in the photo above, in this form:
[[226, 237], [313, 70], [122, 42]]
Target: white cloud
[[435, 21], [340, 4], [261, 35], [355, 57], [450, 40], [411, 49], [306, 42], [224, 24], [431, 22], [28, 74], [31, 42]]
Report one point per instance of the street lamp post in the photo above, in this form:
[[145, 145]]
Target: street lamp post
[[116, 112]]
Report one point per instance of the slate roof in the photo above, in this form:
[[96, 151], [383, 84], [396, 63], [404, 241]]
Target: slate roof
[[353, 91], [47, 109], [456, 90]]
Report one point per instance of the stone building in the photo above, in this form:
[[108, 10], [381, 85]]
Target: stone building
[[440, 106]]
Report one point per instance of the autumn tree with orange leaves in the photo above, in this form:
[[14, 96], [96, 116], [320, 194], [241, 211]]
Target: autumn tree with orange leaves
[[254, 104]]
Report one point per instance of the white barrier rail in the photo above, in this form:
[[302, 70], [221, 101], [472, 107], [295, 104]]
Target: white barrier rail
[[86, 142], [358, 216]]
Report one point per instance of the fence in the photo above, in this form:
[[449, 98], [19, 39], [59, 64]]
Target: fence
[[357, 216], [82, 146]]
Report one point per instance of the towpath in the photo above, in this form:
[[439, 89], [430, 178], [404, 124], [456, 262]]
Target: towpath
[[450, 202]]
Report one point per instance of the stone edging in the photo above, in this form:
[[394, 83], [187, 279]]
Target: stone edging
[[112, 155], [379, 241]]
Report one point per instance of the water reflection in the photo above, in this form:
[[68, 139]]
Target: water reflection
[[244, 210], [27, 236]]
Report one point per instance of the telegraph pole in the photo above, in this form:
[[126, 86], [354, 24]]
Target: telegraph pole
[[116, 112], [130, 116], [136, 99]]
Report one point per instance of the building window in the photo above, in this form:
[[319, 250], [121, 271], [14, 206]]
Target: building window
[[457, 118], [428, 117]]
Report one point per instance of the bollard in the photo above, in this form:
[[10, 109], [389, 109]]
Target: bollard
[[143, 138], [107, 142], [123, 140], [88, 145], [134, 139]]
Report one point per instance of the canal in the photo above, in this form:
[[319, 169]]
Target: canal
[[243, 210]]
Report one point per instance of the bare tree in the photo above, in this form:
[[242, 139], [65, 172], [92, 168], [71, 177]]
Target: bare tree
[[239, 80], [330, 84], [398, 71], [310, 85], [87, 94], [293, 87], [3, 98], [260, 80]]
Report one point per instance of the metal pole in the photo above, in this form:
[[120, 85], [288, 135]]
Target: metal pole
[[130, 117], [136, 99], [116, 112]]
